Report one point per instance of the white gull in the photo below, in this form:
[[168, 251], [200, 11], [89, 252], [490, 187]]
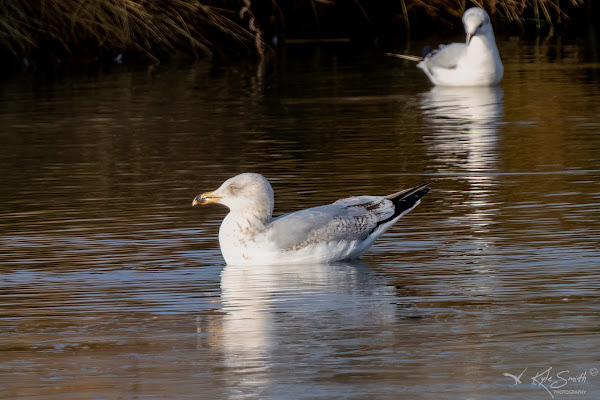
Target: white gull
[[343, 230], [473, 63]]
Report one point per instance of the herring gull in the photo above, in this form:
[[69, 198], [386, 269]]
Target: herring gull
[[473, 63], [343, 230]]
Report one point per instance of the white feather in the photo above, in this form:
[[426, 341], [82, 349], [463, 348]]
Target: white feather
[[339, 231], [473, 63]]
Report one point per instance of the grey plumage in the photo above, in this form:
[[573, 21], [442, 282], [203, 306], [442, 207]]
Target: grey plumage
[[353, 218], [445, 56], [343, 230]]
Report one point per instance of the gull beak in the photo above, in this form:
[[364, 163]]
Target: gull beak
[[470, 36], [206, 198]]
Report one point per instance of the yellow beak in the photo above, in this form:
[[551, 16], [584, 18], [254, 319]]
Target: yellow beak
[[206, 198]]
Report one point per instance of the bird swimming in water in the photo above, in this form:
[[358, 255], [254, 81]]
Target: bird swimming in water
[[473, 63], [343, 230]]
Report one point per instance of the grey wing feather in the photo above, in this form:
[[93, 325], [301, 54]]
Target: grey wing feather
[[359, 200], [446, 56], [346, 219]]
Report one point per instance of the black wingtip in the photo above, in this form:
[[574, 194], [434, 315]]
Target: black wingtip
[[407, 199], [404, 201], [403, 194]]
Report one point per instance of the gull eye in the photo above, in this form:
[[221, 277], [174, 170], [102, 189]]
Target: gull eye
[[233, 188]]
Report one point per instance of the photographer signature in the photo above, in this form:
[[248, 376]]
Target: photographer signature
[[548, 380]]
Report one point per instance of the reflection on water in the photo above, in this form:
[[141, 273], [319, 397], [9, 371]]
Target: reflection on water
[[112, 285], [268, 305], [464, 125]]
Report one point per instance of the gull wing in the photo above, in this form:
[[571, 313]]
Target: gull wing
[[354, 218], [445, 57]]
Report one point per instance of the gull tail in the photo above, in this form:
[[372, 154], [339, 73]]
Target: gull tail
[[405, 57]]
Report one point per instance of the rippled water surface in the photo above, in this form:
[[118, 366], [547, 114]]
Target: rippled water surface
[[113, 286]]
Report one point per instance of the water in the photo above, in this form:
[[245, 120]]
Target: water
[[113, 287]]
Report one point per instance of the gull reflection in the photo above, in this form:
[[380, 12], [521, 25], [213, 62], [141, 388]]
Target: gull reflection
[[463, 142], [273, 314], [464, 130]]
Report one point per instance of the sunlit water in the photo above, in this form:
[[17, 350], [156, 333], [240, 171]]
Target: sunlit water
[[113, 286]]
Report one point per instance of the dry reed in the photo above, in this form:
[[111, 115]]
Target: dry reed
[[89, 28], [512, 10], [77, 27]]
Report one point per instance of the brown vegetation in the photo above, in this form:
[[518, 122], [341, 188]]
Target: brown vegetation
[[152, 27], [62, 29]]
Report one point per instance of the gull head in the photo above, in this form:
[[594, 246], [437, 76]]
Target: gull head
[[244, 192], [477, 22]]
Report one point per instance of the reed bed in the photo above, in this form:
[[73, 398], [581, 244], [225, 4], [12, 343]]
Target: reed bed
[[63, 29], [548, 12]]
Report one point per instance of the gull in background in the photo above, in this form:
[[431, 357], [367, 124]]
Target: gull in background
[[344, 230], [473, 63]]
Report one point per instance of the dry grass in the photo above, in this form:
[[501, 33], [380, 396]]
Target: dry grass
[[89, 28], [512, 10], [75, 27]]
